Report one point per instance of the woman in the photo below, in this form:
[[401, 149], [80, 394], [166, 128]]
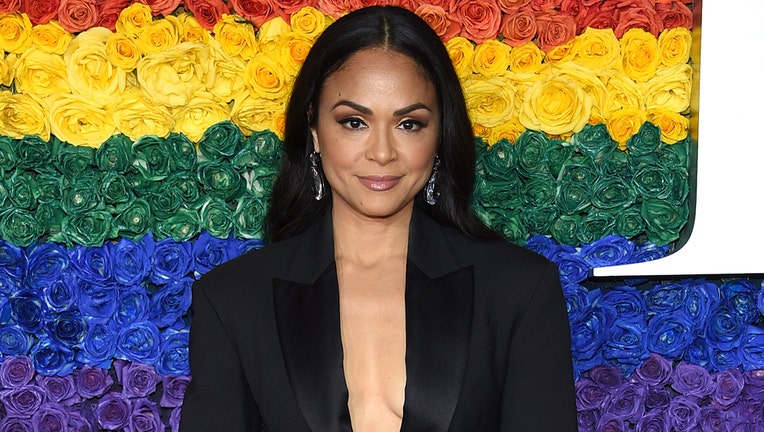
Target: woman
[[382, 303]]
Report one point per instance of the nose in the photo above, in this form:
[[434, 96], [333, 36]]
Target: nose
[[381, 146]]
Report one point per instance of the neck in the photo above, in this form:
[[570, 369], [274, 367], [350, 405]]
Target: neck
[[367, 241]]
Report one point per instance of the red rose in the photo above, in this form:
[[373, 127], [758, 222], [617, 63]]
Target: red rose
[[519, 27], [438, 19], [638, 17], [77, 15], [10, 6], [255, 11], [207, 12], [109, 11], [554, 30], [508, 6], [40, 11], [545, 5], [595, 17], [480, 19], [161, 7], [674, 14]]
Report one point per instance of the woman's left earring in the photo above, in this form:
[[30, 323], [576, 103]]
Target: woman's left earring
[[430, 194], [318, 179]]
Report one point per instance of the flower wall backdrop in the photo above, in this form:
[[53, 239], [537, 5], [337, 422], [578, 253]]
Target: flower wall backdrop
[[139, 142]]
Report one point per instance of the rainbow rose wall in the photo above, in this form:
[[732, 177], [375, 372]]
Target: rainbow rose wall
[[139, 143]]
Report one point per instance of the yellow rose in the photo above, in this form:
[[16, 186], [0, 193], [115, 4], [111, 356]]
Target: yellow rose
[[253, 114], [588, 81], [673, 125], [236, 37], [669, 89], [461, 51], [7, 69], [526, 58], [22, 114], [624, 123], [135, 116], [191, 30], [556, 105], [158, 35], [309, 22], [201, 112], [51, 37], [510, 130], [521, 82], [15, 32], [133, 19], [562, 53], [294, 48], [490, 100], [172, 77], [229, 73], [622, 92], [640, 56], [88, 69], [491, 58], [597, 49], [80, 120], [122, 51], [269, 33], [674, 45], [41, 73], [266, 78], [481, 132]]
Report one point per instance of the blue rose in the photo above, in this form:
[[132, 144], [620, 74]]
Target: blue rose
[[174, 357], [542, 245], [741, 295], [170, 260], [99, 346], [573, 268], [133, 306], [589, 334], [648, 252], [52, 358], [209, 252], [698, 352], [131, 262], [724, 359], [752, 348], [626, 345], [63, 293], [12, 259], [140, 342], [8, 283], [98, 302], [28, 310], [171, 302], [576, 301], [702, 296], [14, 341], [607, 251], [665, 298], [45, 262], [724, 328], [627, 301], [92, 264], [67, 328], [670, 334], [242, 246]]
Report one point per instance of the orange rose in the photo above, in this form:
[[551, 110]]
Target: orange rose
[[255, 11], [161, 7], [481, 20], [638, 17], [674, 14], [554, 30], [288, 7], [109, 12], [438, 19], [207, 12], [40, 11], [571, 7], [519, 27], [545, 5], [337, 8], [595, 17], [508, 6], [77, 15]]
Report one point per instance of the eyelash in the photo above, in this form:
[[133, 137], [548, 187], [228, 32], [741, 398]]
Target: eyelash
[[414, 124]]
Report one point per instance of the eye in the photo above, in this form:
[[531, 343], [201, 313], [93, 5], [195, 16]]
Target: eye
[[411, 125], [352, 123]]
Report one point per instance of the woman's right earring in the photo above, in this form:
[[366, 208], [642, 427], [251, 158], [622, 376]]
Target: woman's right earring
[[318, 179], [430, 194]]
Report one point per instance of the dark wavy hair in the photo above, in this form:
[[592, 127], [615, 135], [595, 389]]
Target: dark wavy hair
[[293, 207]]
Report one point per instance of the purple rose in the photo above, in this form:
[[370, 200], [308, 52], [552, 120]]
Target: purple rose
[[82, 420], [610, 422], [137, 379], [13, 340], [173, 389], [692, 380], [684, 413], [711, 419], [655, 370], [589, 395], [627, 403], [92, 381], [607, 251], [607, 377], [654, 421], [145, 417], [131, 262], [59, 389], [113, 411], [729, 385], [175, 420], [51, 418], [16, 424], [45, 263], [22, 401], [657, 398], [670, 333], [174, 357], [93, 265], [170, 260], [754, 385], [16, 372], [140, 342]]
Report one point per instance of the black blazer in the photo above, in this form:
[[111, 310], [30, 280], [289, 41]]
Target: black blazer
[[487, 339]]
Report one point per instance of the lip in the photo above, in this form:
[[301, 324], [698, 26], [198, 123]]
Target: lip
[[379, 182]]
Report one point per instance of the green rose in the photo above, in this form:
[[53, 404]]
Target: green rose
[[612, 193], [573, 197], [115, 189], [82, 195], [72, 160], [220, 141], [164, 201], [22, 190], [629, 223], [32, 152], [261, 181], [558, 153], [539, 191], [663, 219], [19, 226], [49, 216], [181, 226], [87, 229], [617, 164], [508, 224], [499, 161], [530, 149], [676, 155], [8, 157], [248, 217], [481, 148], [151, 157], [578, 169], [538, 220], [505, 193], [595, 142], [655, 181], [217, 217], [595, 225], [646, 141], [182, 152], [261, 149], [133, 219], [116, 154], [49, 187], [564, 229], [220, 179], [186, 185]]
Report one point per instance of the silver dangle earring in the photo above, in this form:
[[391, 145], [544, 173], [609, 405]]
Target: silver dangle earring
[[430, 194], [318, 179]]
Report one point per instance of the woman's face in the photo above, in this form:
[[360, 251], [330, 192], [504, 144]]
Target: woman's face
[[377, 131]]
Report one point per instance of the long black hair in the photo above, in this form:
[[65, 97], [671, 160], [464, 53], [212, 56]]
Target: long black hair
[[293, 206]]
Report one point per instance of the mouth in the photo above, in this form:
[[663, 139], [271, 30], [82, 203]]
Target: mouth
[[379, 182]]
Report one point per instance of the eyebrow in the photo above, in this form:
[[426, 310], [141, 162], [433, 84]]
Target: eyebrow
[[364, 110]]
